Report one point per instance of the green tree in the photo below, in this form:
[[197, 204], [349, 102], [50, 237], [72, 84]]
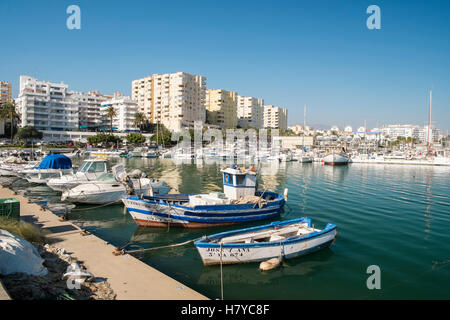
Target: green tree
[[135, 138], [162, 135], [111, 113], [28, 133], [104, 138], [8, 111], [140, 120]]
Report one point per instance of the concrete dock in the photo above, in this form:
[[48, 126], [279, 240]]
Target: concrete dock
[[130, 278]]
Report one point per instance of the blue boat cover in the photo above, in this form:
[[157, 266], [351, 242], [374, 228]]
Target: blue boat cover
[[55, 161]]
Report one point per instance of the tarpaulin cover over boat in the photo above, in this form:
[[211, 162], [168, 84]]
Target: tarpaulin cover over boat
[[55, 161]]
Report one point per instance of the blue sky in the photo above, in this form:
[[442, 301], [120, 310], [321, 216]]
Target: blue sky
[[290, 53]]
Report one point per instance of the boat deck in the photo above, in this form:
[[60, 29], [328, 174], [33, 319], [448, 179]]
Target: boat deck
[[271, 235]]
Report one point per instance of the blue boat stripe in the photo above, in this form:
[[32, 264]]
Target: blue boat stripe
[[202, 244], [231, 218]]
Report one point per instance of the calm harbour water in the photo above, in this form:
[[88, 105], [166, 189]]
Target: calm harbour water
[[393, 216]]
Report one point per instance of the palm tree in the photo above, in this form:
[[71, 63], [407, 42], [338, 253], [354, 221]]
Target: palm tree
[[139, 120], [111, 113], [8, 111]]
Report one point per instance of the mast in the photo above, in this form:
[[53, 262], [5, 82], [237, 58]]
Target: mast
[[304, 128], [429, 122]]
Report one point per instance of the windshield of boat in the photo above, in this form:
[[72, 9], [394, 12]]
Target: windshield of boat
[[85, 166], [97, 167]]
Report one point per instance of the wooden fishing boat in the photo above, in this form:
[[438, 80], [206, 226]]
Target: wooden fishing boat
[[239, 203], [283, 239]]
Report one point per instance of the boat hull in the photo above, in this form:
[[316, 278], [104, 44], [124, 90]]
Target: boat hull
[[335, 160], [257, 252], [149, 213], [102, 197]]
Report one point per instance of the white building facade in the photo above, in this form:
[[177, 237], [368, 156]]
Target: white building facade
[[46, 106], [275, 117], [124, 120], [250, 112], [176, 100]]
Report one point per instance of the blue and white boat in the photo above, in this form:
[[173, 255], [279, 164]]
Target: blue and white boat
[[52, 166], [283, 240], [239, 203]]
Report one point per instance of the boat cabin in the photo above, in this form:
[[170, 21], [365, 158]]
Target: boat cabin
[[94, 166], [238, 182]]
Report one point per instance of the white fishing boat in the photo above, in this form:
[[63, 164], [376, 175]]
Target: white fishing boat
[[52, 166], [90, 170], [336, 158], [239, 203], [110, 187], [11, 166], [305, 159], [300, 155], [143, 152], [281, 157], [282, 240]]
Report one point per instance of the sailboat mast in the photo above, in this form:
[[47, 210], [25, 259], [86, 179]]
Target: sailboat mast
[[429, 122], [304, 128]]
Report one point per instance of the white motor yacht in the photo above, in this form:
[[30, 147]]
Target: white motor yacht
[[90, 170]]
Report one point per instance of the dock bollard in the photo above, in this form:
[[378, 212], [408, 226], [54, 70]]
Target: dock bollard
[[118, 252]]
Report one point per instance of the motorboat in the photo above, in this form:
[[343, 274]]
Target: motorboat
[[336, 159], [280, 240], [105, 153], [90, 170], [11, 166], [240, 202], [52, 166], [110, 187]]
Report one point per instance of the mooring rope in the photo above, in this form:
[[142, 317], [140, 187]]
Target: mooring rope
[[99, 206], [161, 247]]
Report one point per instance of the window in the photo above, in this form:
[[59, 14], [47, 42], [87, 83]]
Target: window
[[240, 180], [228, 178], [84, 167], [97, 167]]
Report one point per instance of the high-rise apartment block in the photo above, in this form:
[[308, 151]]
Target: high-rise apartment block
[[275, 117], [221, 108], [125, 108], [49, 106], [176, 100], [250, 112], [46, 105], [5, 92]]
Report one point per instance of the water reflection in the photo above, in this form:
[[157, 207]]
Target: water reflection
[[250, 274], [335, 173]]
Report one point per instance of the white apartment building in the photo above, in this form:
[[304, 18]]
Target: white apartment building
[[125, 108], [89, 115], [52, 107], [221, 108], [46, 105], [250, 112], [176, 100], [432, 136], [394, 131], [275, 117]]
